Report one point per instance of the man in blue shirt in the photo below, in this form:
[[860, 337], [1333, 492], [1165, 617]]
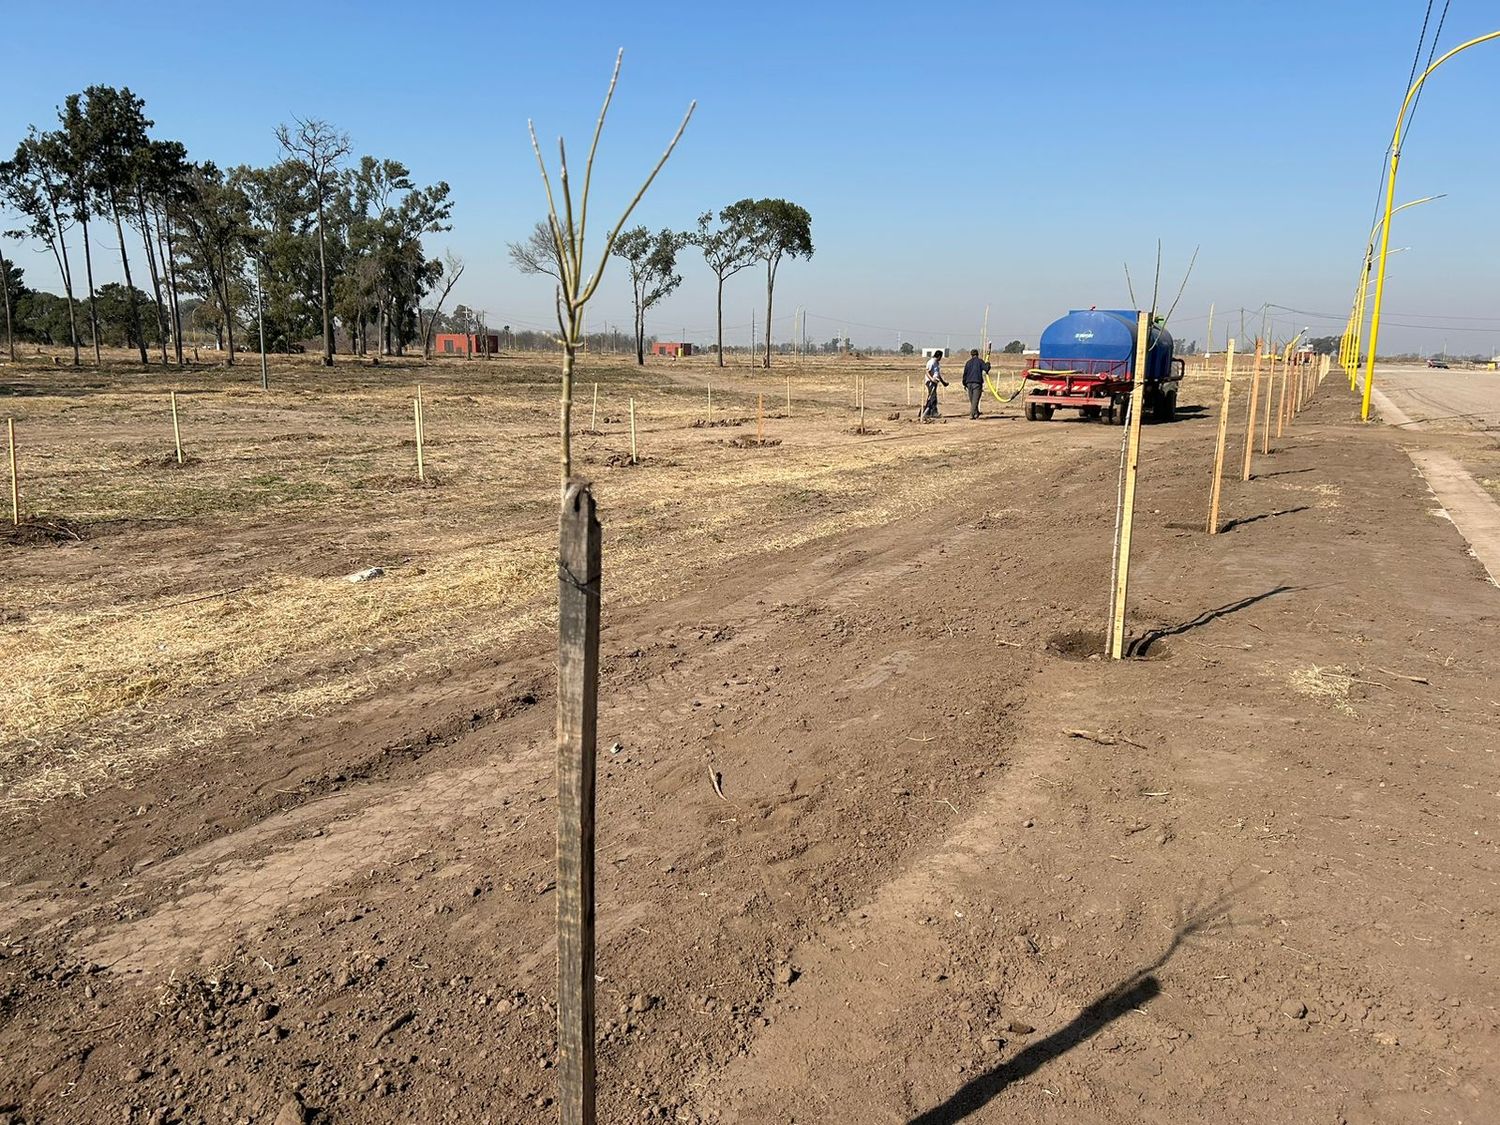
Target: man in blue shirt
[[974, 372]]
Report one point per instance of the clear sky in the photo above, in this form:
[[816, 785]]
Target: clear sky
[[952, 155]]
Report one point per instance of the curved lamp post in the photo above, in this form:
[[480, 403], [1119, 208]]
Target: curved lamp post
[[1349, 358], [1385, 234]]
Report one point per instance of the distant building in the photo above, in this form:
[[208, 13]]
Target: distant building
[[466, 343], [673, 348]]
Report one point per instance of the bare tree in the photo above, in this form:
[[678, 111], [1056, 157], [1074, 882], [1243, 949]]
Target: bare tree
[[453, 269], [537, 253], [316, 148]]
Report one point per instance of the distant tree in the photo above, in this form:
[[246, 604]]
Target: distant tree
[[1324, 345], [34, 187], [536, 253], [777, 229], [112, 125], [69, 151], [10, 286], [315, 149], [453, 269], [727, 249], [653, 273], [1015, 347], [907, 348]]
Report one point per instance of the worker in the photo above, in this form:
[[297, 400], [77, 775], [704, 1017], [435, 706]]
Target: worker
[[934, 377], [974, 372]]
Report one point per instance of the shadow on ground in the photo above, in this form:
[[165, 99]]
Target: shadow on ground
[[1142, 644], [1131, 993]]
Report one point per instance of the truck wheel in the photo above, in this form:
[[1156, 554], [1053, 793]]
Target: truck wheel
[[1092, 412], [1166, 406], [1031, 412], [1119, 411]]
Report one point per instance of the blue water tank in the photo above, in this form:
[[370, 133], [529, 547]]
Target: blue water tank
[[1095, 340]]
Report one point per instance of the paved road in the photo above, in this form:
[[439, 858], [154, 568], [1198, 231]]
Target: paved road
[[1435, 399]]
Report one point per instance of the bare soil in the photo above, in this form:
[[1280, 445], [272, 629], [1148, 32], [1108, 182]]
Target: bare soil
[[278, 843]]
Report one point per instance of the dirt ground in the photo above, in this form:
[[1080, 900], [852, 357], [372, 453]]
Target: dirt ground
[[278, 846]]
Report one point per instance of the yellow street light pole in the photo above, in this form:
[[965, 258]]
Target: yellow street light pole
[[1357, 318], [1385, 234]]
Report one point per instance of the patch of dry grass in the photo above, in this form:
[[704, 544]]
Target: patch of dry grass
[[149, 644]]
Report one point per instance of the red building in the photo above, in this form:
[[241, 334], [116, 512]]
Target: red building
[[673, 348], [463, 343]]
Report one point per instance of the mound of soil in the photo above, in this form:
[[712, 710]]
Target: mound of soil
[[748, 442], [43, 533], [699, 423], [864, 430], [397, 482]]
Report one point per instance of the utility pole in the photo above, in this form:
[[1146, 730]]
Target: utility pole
[[1210, 330]]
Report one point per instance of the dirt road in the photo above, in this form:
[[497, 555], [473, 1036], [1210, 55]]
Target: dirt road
[[961, 870]]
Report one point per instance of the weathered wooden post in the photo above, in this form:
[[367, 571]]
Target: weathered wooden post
[[710, 400], [1213, 496], [594, 417], [578, 584], [633, 458], [176, 429], [1126, 518], [760, 416]]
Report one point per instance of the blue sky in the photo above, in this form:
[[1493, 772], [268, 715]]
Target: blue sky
[[952, 155]]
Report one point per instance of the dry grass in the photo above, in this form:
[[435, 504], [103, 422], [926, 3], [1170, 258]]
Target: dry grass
[[1330, 684], [212, 601]]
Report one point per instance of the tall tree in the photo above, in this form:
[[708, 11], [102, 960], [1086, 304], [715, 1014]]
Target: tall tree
[[316, 149], [155, 167], [213, 216], [113, 125], [67, 150], [778, 229], [10, 285], [653, 273], [35, 188], [727, 249]]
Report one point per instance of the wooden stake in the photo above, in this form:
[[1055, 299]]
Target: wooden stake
[[1127, 505], [15, 487], [416, 417], [578, 581], [1281, 404], [1250, 421], [710, 400], [1213, 497], [760, 416], [176, 429], [908, 388], [633, 459], [1265, 429], [594, 417], [788, 394]]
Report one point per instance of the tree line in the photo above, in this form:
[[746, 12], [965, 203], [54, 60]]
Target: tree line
[[744, 234], [312, 243]]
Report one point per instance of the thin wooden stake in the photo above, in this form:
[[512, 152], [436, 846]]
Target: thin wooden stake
[[908, 388], [578, 581], [633, 459], [1250, 421], [176, 429], [1127, 506], [760, 416], [788, 394], [710, 400], [1265, 429], [15, 487], [594, 417], [1213, 499], [416, 417], [1281, 403]]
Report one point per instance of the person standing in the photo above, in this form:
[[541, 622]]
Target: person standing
[[934, 378], [974, 372]]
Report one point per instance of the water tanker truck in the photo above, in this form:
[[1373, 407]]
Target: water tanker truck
[[1086, 362]]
